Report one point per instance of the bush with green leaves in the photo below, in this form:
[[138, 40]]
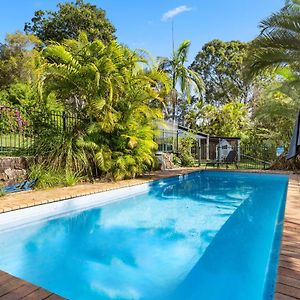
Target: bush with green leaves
[[185, 151], [2, 193], [176, 160], [112, 95], [48, 177]]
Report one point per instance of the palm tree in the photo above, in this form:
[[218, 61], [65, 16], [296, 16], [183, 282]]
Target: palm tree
[[181, 75], [278, 45]]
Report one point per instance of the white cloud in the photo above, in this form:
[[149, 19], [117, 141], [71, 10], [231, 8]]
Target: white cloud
[[174, 12]]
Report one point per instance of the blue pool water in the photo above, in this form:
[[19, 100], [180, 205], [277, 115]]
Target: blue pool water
[[208, 235]]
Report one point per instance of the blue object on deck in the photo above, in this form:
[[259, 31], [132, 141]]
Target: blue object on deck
[[20, 187]]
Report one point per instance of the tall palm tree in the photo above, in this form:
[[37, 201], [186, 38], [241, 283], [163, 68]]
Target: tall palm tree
[[180, 75], [278, 45]]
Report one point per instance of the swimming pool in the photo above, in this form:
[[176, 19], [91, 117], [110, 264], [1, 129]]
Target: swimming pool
[[205, 235]]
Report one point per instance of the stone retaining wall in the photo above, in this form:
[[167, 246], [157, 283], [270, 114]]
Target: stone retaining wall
[[14, 169]]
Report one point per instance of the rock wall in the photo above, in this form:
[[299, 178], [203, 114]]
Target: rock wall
[[14, 169]]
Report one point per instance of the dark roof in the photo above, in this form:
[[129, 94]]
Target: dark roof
[[195, 132], [224, 137], [205, 134]]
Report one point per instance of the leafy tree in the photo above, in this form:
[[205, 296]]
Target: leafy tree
[[220, 66], [181, 75], [230, 119], [278, 44], [110, 92], [274, 114], [18, 59], [69, 20]]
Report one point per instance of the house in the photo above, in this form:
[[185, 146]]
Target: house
[[206, 147]]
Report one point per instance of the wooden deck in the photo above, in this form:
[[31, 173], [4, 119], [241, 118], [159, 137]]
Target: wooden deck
[[288, 277], [13, 288]]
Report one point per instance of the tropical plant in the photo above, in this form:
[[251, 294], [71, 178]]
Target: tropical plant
[[69, 20], [111, 94], [181, 76], [278, 44], [274, 115], [50, 177]]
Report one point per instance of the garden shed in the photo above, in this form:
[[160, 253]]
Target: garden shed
[[205, 148], [219, 147]]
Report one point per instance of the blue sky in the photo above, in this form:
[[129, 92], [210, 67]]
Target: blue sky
[[147, 24]]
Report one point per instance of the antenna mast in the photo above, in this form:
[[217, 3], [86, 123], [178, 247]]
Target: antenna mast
[[173, 43]]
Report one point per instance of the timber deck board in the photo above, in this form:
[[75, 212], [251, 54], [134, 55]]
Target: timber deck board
[[288, 276], [13, 288]]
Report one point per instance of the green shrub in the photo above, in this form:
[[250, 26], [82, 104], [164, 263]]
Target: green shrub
[[187, 160], [49, 177], [185, 154], [177, 161], [71, 178], [2, 193]]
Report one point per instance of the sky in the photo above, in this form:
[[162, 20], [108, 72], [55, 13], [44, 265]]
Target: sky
[[148, 24]]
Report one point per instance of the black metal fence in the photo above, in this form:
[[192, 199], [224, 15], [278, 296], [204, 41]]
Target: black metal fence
[[246, 156], [215, 152], [19, 129]]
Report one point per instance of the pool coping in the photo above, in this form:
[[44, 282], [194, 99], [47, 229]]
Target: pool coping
[[288, 288], [12, 202], [16, 201]]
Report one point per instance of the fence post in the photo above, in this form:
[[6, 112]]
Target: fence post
[[207, 147], [163, 141], [239, 150], [199, 152], [64, 120], [219, 150], [177, 142]]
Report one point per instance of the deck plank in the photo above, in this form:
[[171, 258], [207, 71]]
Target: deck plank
[[20, 292], [288, 277], [279, 296], [13, 288], [38, 294]]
